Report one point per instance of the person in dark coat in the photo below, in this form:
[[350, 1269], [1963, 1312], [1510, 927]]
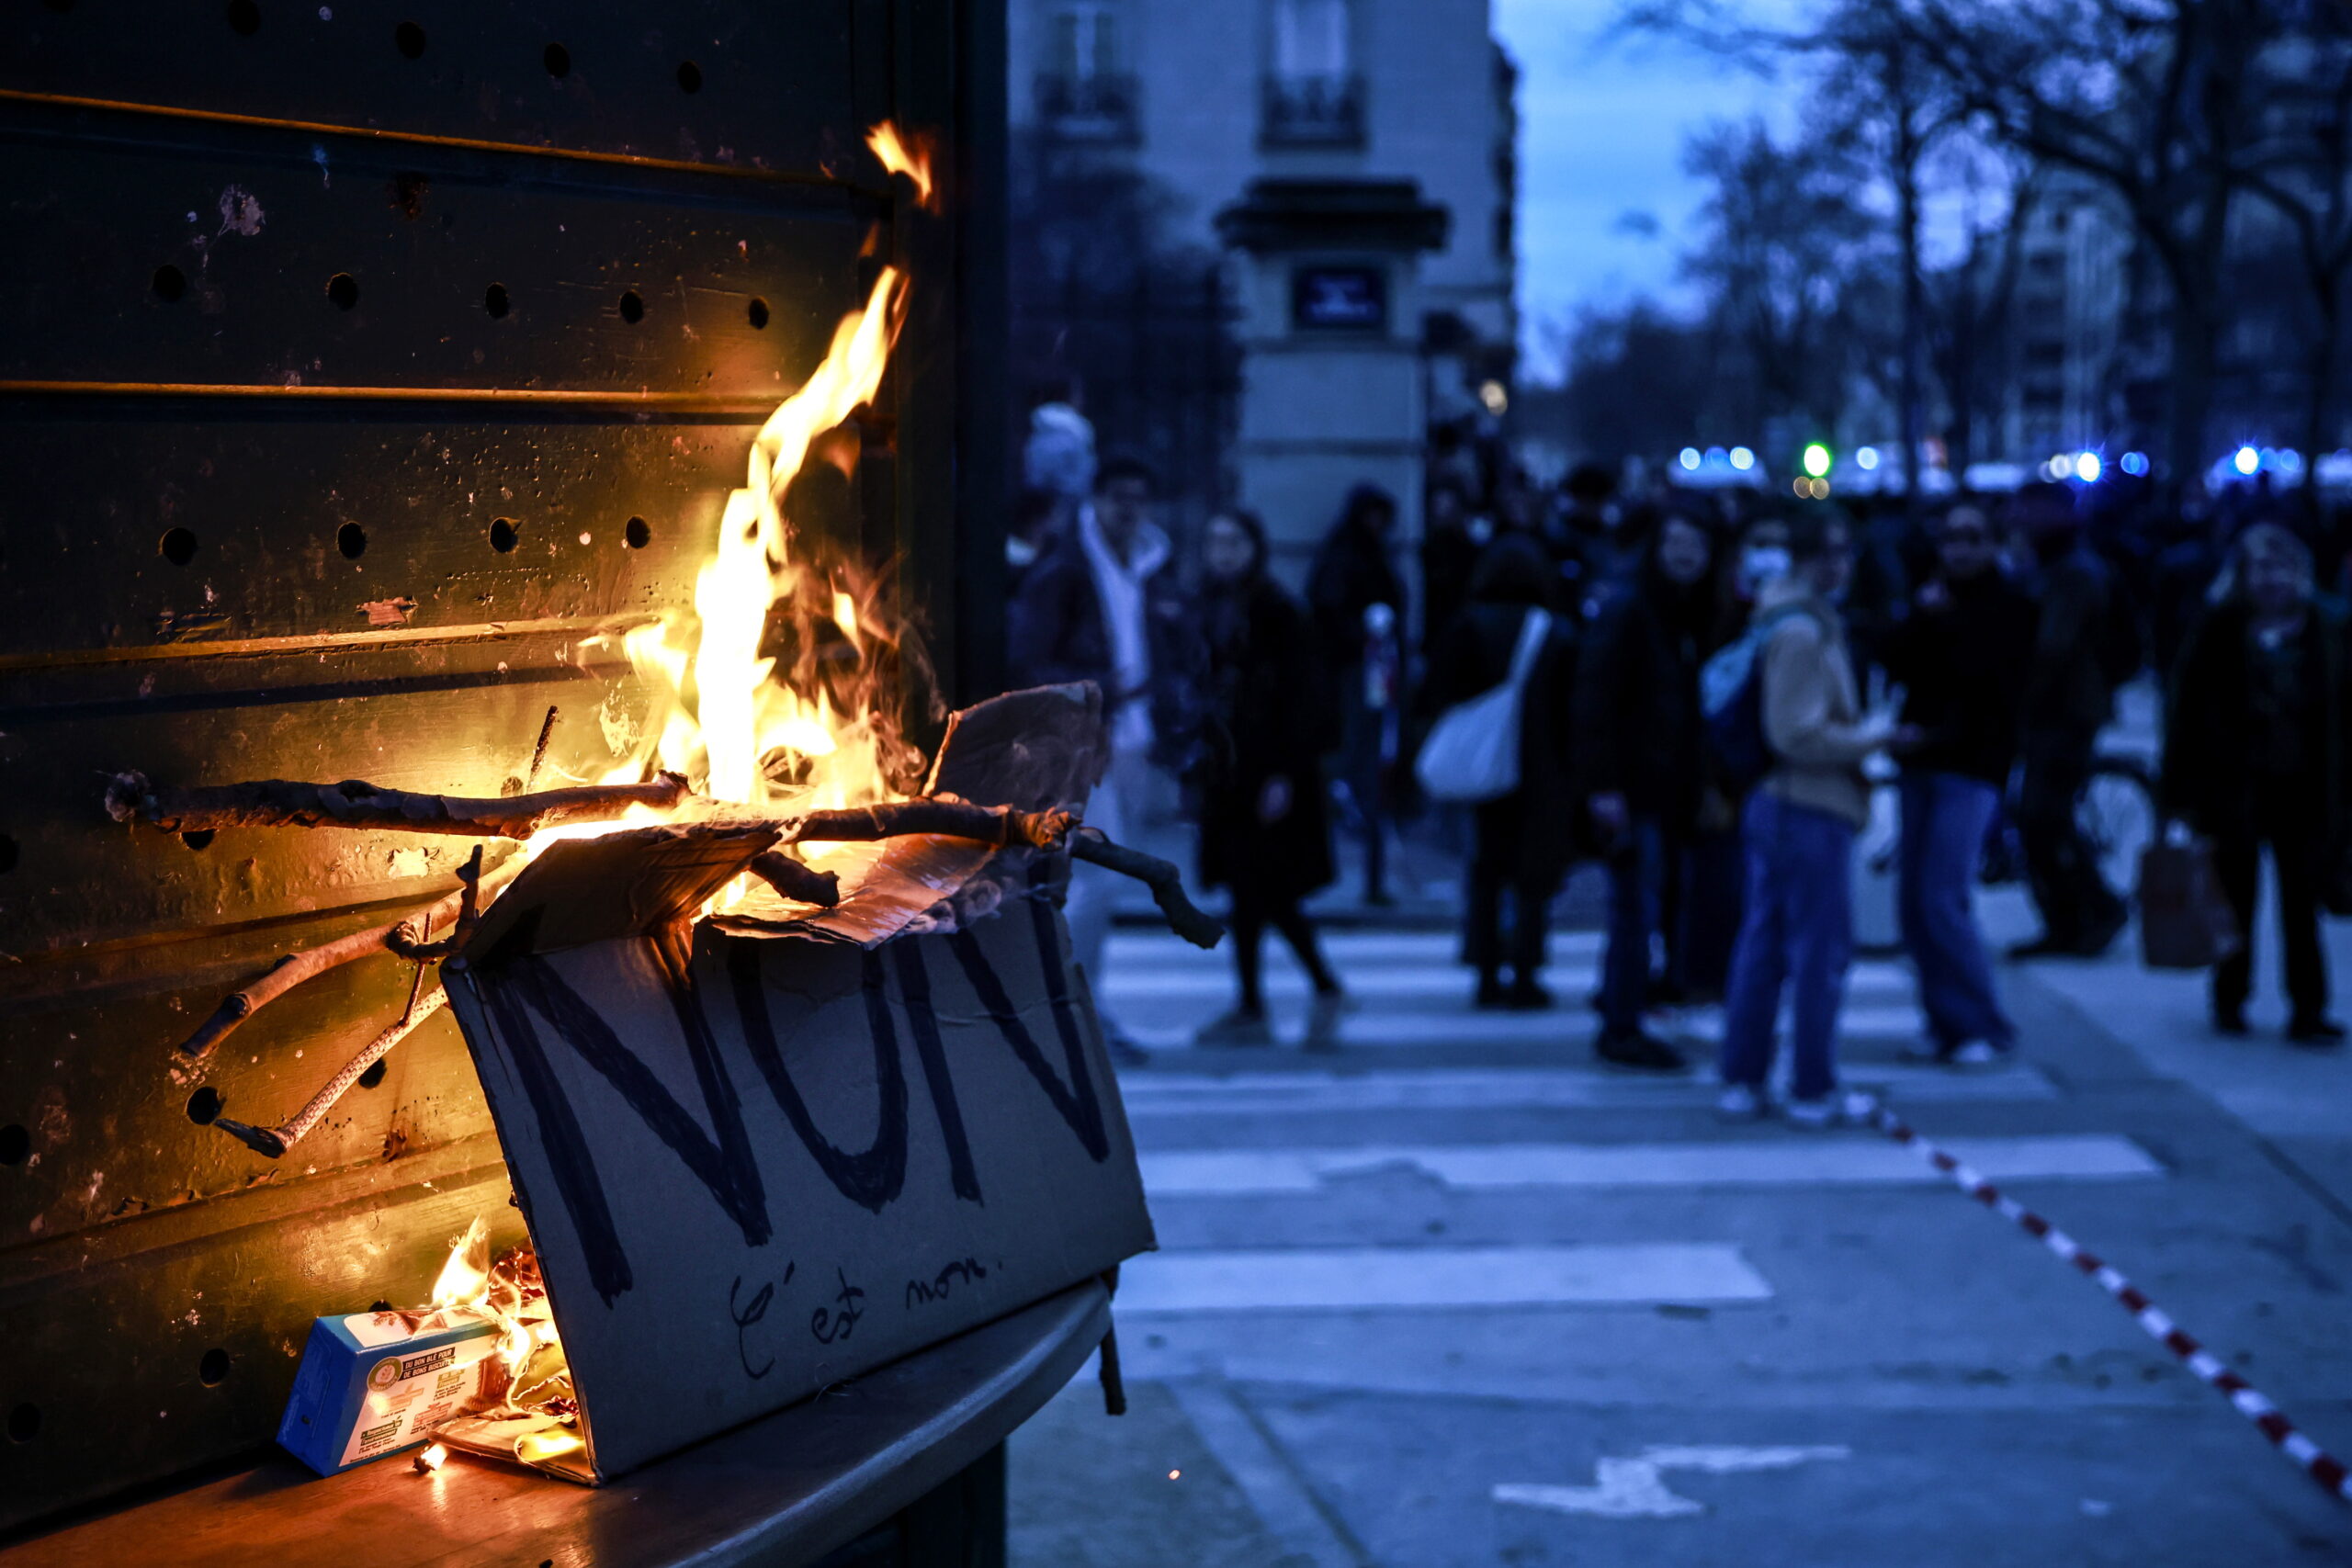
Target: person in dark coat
[[1641, 764], [2255, 755], [1358, 598], [1962, 652], [2067, 702], [1525, 839], [1264, 816]]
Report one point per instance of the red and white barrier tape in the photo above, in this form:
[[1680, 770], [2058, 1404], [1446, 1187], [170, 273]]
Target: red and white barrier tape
[[2308, 1456]]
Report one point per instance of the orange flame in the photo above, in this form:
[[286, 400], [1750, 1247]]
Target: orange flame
[[901, 159]]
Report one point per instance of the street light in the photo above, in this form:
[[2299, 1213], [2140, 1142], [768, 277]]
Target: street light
[[1816, 459]]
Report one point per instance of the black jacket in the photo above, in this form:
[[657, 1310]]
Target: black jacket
[[1352, 572], [2069, 693], [1635, 717], [1965, 669], [1265, 720], [2213, 732], [1056, 633], [1533, 830]]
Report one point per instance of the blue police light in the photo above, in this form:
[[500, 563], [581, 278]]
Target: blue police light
[[1742, 458], [1866, 458], [2134, 463], [1689, 458], [2246, 462], [2088, 467]]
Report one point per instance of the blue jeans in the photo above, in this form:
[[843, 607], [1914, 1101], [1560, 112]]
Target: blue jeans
[[1637, 882], [1797, 930], [1944, 817]]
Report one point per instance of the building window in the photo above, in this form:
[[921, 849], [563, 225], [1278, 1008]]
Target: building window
[[1313, 96], [1084, 94]]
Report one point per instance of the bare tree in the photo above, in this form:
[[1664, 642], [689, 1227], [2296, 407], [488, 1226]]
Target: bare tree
[[1788, 260]]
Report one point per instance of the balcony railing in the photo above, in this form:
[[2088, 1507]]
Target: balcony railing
[[1312, 111], [1099, 108]]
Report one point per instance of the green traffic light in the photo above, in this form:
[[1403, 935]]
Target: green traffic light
[[1816, 460]]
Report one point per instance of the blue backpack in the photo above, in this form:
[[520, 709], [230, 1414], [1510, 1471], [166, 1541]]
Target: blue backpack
[[1731, 701]]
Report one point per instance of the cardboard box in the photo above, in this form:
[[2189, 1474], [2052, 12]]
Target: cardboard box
[[757, 1164], [369, 1386]]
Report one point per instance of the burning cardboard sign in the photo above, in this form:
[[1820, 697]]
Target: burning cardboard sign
[[756, 1166]]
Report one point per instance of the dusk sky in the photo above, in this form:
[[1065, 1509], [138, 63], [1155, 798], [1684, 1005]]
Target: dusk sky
[[1602, 129]]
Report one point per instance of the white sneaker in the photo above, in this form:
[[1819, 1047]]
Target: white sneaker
[[1851, 1108], [1979, 1054], [1742, 1102]]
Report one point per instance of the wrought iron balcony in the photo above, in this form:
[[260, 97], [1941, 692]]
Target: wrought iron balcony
[[1098, 108], [1312, 111]]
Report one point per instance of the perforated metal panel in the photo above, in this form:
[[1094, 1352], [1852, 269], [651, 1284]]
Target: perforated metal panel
[[360, 361]]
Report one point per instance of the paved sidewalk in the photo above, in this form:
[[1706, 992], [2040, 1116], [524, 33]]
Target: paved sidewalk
[[1456, 1295]]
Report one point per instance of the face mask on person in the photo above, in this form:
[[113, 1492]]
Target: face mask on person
[[1762, 564]]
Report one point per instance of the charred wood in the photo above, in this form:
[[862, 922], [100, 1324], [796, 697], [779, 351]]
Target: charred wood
[[354, 803]]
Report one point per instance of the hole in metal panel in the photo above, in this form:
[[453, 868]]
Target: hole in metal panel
[[758, 312], [344, 289], [557, 60], [504, 535], [632, 307], [639, 533], [198, 838], [245, 17], [352, 540], [204, 1105], [409, 38], [213, 1369], [689, 76], [177, 545], [16, 1144], [374, 1074], [24, 1422], [494, 301], [170, 283]]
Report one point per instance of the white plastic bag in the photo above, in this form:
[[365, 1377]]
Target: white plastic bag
[[1471, 753]]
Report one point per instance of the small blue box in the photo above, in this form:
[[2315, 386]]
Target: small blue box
[[369, 1386]]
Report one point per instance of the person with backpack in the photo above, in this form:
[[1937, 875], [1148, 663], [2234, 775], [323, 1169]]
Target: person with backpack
[[1505, 671], [2086, 644], [1962, 654], [1794, 721], [1642, 768]]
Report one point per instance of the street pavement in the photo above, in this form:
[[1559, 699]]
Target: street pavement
[[1456, 1295]]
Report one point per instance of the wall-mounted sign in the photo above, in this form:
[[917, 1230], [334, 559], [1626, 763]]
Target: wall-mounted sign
[[1349, 298]]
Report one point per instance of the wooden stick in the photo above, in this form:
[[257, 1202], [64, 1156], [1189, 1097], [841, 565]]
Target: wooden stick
[[540, 752], [275, 1141], [942, 815], [296, 967], [1166, 884], [801, 883], [354, 803]]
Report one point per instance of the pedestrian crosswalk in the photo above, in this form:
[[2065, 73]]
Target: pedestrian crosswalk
[[1222, 1133], [1409, 988]]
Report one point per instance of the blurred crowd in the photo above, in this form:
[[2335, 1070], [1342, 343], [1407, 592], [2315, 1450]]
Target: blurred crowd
[[1702, 693]]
